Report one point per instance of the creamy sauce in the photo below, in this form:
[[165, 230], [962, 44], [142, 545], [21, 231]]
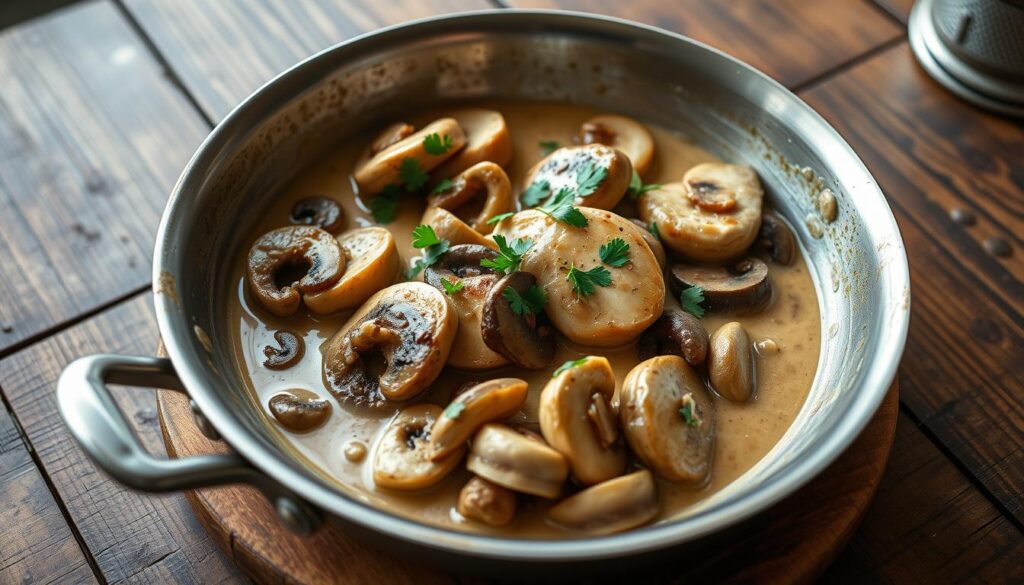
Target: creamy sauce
[[745, 432]]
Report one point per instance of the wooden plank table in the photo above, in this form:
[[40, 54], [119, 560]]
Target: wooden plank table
[[102, 103]]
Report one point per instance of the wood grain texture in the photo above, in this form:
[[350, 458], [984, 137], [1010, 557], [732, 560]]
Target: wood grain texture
[[928, 525], [36, 543], [898, 8], [961, 373], [132, 536], [92, 138], [224, 50], [791, 40]]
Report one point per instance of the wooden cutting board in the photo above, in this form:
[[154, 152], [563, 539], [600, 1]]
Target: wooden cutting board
[[793, 542]]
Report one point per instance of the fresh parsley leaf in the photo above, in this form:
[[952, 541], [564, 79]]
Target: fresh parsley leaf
[[547, 146], [559, 206], [614, 253], [687, 411], [454, 410], [411, 175], [583, 281], [423, 236], [638, 188], [529, 303], [691, 300], [384, 206], [567, 366], [589, 177], [445, 185], [450, 287], [509, 255], [654, 230], [500, 217], [536, 193], [436, 145]]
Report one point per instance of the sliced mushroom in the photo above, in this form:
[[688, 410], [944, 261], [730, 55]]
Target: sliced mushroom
[[675, 333], [598, 174], [613, 506], [487, 502], [669, 419], [490, 401], [288, 261], [577, 421], [612, 315], [388, 136], [776, 239], [526, 340], [449, 227], [482, 179], [321, 212], [713, 216], [487, 139], [622, 133], [400, 461], [382, 169], [731, 362], [392, 348], [517, 461], [652, 242], [289, 351], [744, 285], [299, 410], [461, 265], [372, 264]]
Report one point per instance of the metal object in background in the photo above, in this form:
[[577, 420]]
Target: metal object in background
[[975, 48]]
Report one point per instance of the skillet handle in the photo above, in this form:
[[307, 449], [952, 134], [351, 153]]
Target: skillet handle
[[99, 426]]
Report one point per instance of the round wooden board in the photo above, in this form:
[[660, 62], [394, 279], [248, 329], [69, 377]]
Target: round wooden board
[[792, 542]]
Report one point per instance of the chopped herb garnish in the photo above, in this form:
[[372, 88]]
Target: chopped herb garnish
[[423, 237], [638, 188], [560, 207], [385, 205], [583, 281], [547, 146], [568, 366], [445, 185], [654, 230], [688, 411], [535, 193], [529, 303], [436, 145], [614, 253], [450, 287], [509, 256], [690, 299], [500, 217], [411, 175], [454, 410], [589, 178]]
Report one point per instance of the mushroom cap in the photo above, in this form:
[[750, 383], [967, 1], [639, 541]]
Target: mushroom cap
[[372, 264], [517, 461], [487, 502], [299, 410], [482, 179], [660, 435], [322, 212], [400, 461], [526, 340], [675, 333], [289, 351], [410, 325], [744, 285], [652, 242], [611, 316], [483, 403], [627, 135], [310, 252], [449, 227], [703, 234], [612, 506], [567, 426], [731, 362], [561, 169], [382, 169], [776, 239], [487, 139]]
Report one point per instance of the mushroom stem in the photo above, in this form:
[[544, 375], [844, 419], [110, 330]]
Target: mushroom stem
[[601, 417], [372, 334]]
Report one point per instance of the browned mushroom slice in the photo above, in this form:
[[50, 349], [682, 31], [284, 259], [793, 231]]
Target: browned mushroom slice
[[392, 348], [527, 340], [487, 502], [291, 260], [776, 239], [400, 461], [486, 180], [613, 506], [489, 401], [744, 285], [731, 363], [383, 168], [487, 139], [598, 174], [289, 351], [669, 419], [299, 410], [388, 136], [625, 134], [518, 461], [449, 227], [321, 212], [372, 264], [652, 242], [675, 333]]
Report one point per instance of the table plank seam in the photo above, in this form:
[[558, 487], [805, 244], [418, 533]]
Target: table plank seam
[[886, 13], [850, 63]]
